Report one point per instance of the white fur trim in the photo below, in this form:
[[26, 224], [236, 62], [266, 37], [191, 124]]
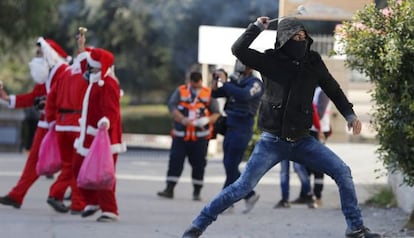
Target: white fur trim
[[82, 56], [111, 215], [82, 123], [90, 130], [118, 148], [104, 120], [40, 40], [82, 150], [43, 124], [115, 148], [51, 75], [93, 63], [76, 143], [101, 82], [67, 128], [12, 101]]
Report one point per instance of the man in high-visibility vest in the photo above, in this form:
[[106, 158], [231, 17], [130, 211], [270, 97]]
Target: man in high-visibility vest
[[194, 112]]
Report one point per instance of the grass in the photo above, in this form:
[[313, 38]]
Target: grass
[[147, 110], [383, 197]]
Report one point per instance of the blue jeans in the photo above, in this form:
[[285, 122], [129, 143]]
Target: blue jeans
[[303, 175], [269, 151]]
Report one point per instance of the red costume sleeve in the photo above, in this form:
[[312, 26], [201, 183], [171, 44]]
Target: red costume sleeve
[[315, 118], [27, 99]]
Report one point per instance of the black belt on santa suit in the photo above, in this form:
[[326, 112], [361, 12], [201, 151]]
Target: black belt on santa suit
[[69, 111]]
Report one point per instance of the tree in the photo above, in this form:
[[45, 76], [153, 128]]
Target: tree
[[20, 23], [380, 43]]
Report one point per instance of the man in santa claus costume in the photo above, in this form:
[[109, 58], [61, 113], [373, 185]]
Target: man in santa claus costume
[[64, 105], [101, 109], [49, 65]]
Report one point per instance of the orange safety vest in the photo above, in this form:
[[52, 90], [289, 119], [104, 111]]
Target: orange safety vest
[[193, 108]]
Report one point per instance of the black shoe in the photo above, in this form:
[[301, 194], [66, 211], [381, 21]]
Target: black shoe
[[166, 194], [57, 205], [282, 204], [301, 200], [8, 201], [363, 232], [196, 197], [89, 210], [308, 200], [192, 232]]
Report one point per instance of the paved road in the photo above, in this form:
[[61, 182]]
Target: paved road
[[142, 173]]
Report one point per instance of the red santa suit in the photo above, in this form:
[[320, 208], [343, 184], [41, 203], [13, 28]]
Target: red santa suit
[[64, 105], [55, 58], [101, 105]]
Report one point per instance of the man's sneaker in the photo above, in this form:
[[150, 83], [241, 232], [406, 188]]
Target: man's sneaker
[[166, 194], [108, 217], [57, 205], [363, 232], [89, 210], [250, 202], [282, 204], [192, 232], [196, 197], [8, 201]]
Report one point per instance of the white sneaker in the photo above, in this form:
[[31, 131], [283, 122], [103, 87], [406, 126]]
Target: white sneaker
[[250, 203], [108, 217]]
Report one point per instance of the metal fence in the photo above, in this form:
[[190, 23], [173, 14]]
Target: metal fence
[[324, 44]]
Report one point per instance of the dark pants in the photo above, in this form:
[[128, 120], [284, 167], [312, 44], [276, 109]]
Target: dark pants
[[234, 146], [196, 152]]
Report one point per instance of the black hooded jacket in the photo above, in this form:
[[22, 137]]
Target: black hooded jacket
[[286, 106]]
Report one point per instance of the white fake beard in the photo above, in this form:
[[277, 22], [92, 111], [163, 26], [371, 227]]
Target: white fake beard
[[39, 70], [94, 77]]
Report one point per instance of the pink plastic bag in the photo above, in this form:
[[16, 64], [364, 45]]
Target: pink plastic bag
[[98, 171], [49, 161]]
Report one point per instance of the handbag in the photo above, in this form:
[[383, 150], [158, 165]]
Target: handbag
[[220, 126], [49, 161], [97, 171]]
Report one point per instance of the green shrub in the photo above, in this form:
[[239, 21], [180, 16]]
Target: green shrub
[[384, 197], [380, 43], [146, 119]]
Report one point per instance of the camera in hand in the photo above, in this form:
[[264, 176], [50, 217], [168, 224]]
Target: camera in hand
[[215, 76]]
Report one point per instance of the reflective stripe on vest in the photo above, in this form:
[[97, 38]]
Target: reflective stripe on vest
[[193, 109]]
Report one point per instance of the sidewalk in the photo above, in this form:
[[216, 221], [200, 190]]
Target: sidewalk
[[141, 173]]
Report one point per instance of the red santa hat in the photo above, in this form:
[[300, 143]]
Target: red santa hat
[[100, 58], [81, 58], [61, 52], [52, 51]]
